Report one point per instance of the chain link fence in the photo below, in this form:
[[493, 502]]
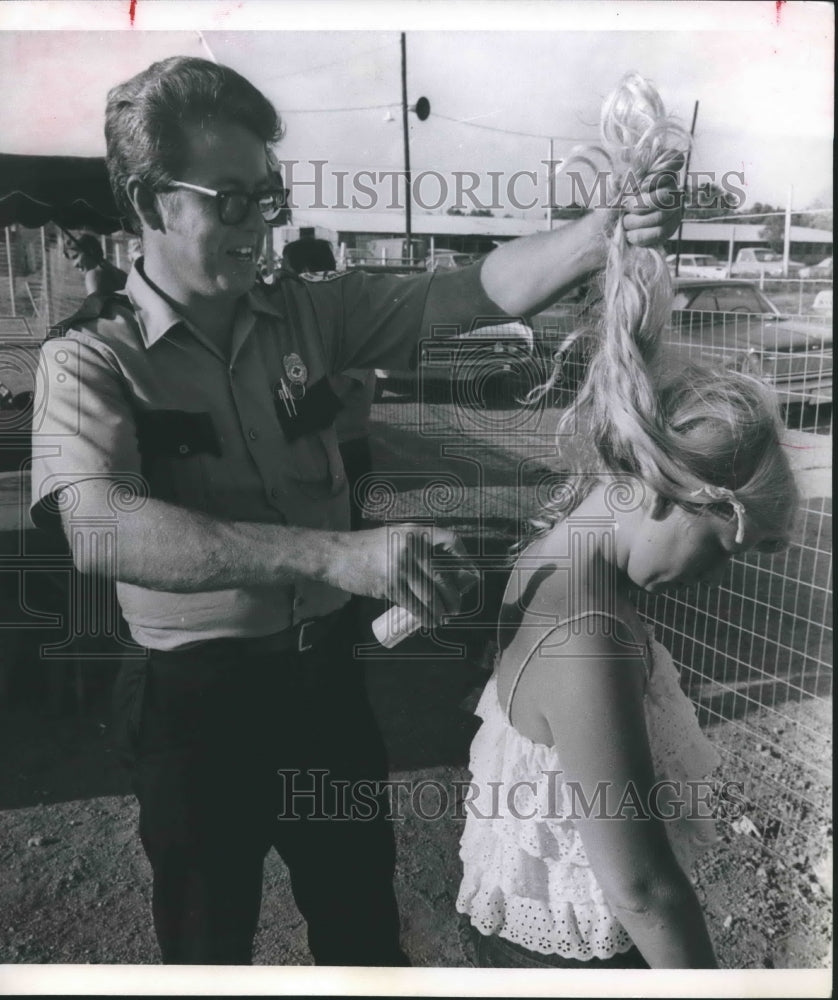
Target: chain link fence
[[754, 652]]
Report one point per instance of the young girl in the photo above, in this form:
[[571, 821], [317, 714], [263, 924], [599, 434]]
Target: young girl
[[589, 762]]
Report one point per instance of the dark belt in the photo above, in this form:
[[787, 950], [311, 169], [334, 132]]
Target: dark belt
[[300, 638]]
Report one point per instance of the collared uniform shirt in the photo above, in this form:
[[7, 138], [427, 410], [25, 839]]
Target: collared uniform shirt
[[138, 395]]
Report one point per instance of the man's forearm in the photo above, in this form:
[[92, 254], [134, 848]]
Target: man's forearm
[[168, 548], [165, 547], [527, 274]]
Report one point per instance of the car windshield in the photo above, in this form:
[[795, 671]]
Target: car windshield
[[766, 255], [724, 298]]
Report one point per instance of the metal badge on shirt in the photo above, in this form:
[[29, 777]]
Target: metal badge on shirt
[[297, 374]]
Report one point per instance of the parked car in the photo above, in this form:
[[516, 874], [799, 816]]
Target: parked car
[[697, 265], [734, 323], [730, 323], [756, 261], [823, 269], [823, 303], [478, 367]]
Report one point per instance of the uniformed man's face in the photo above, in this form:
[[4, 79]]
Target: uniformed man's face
[[202, 255]]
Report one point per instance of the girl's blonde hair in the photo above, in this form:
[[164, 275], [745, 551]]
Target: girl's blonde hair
[[700, 438]]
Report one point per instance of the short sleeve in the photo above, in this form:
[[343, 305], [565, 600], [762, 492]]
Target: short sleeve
[[83, 425], [385, 316]]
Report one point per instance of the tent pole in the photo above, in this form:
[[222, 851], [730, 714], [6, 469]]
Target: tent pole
[[46, 289], [11, 271]]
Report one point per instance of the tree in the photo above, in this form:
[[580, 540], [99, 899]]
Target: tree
[[774, 230], [821, 219], [760, 212], [453, 210]]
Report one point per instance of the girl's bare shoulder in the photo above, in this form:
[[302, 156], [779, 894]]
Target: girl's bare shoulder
[[554, 615]]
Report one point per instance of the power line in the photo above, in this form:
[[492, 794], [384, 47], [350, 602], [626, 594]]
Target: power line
[[508, 131], [435, 114]]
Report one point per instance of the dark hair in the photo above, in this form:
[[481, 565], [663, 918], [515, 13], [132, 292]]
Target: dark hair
[[307, 255], [145, 118], [87, 245]]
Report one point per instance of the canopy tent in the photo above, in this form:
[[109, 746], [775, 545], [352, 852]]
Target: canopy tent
[[51, 138], [72, 191]]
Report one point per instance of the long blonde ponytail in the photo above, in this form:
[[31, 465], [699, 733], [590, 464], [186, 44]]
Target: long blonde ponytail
[[693, 435]]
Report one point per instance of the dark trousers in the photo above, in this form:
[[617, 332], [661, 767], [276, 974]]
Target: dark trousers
[[206, 732]]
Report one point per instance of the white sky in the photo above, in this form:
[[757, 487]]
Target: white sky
[[763, 79]]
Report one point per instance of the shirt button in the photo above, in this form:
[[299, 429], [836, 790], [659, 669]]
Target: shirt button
[[183, 449], [299, 602], [274, 493], [253, 434]]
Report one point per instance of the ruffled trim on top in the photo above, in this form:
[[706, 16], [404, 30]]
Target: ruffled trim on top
[[526, 875]]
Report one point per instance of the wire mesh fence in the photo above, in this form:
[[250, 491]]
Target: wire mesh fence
[[752, 652]]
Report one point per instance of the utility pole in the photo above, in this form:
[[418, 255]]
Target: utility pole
[[686, 190], [407, 180], [46, 290], [422, 108]]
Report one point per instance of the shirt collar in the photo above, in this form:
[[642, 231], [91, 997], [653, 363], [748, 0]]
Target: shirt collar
[[156, 317]]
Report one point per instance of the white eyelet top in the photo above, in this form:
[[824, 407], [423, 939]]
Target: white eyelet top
[[526, 877]]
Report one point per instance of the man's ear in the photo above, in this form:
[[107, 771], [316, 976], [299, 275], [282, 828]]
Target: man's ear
[[145, 203]]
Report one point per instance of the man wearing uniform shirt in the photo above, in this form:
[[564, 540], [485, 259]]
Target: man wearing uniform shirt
[[194, 413]]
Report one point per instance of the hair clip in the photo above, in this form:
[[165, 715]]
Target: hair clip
[[723, 494]]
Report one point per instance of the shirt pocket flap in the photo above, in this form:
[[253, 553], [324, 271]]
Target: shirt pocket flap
[[314, 412], [176, 433]]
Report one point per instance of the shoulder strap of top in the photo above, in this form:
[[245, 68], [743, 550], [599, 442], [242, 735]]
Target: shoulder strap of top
[[647, 652]]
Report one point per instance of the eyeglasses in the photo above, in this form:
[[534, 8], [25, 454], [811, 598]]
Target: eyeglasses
[[233, 206]]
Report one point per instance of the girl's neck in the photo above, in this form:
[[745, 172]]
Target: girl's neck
[[600, 529]]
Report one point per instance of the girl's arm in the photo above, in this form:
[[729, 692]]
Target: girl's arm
[[591, 693]]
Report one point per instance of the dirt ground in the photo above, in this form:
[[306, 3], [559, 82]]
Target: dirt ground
[[76, 885]]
